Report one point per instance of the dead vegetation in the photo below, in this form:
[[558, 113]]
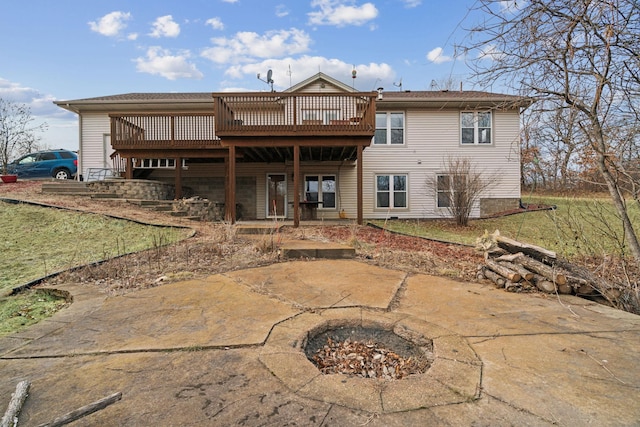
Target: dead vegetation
[[216, 248], [366, 359]]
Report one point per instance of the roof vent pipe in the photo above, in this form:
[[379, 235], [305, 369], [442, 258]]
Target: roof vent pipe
[[380, 89]]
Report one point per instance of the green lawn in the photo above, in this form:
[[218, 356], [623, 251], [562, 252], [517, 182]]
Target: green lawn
[[579, 226], [37, 241]]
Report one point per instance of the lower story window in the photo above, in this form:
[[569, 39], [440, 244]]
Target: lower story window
[[157, 163], [321, 188], [447, 187], [391, 191]]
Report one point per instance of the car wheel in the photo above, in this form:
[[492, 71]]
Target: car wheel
[[62, 174]]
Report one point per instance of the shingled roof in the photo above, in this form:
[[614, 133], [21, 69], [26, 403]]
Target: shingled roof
[[204, 100]]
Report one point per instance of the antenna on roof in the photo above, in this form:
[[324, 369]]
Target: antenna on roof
[[269, 80], [399, 84], [434, 85], [354, 74]]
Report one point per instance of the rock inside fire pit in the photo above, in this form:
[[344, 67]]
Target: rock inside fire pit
[[368, 353]]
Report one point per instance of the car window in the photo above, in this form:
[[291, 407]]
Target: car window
[[28, 159], [67, 155], [46, 156]]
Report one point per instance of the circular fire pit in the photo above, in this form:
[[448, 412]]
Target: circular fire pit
[[372, 352], [452, 374]]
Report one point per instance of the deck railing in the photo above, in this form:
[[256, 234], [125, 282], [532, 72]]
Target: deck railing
[[285, 114], [160, 131]]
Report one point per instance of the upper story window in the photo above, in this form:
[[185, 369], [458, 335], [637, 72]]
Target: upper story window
[[475, 127], [320, 117], [389, 129]]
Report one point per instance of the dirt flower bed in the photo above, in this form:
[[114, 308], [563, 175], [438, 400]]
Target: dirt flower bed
[[413, 254]]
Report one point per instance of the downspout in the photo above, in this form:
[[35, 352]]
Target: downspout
[[79, 174]]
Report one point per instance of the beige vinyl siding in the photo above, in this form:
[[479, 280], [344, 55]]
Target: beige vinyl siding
[[345, 179], [94, 127], [431, 136], [320, 87]]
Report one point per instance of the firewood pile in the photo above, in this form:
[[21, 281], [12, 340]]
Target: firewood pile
[[521, 267], [365, 360]]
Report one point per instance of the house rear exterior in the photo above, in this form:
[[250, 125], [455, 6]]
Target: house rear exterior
[[319, 149]]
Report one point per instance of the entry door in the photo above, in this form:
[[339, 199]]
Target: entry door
[[276, 195]]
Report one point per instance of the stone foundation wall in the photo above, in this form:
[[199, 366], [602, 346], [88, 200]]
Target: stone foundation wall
[[200, 208], [212, 188], [134, 189], [493, 206], [197, 192]]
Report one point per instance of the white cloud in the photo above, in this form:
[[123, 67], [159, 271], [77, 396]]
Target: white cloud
[[216, 23], [165, 26], [112, 24], [161, 62], [490, 53], [230, 1], [436, 56], [340, 13], [411, 3], [247, 46], [282, 11], [306, 66]]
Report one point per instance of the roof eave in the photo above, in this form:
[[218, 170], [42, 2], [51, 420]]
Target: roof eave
[[457, 103], [98, 105]]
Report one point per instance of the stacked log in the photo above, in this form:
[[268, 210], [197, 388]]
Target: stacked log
[[520, 267]]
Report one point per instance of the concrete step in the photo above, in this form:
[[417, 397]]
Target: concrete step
[[104, 196], [65, 187], [311, 249], [160, 208], [151, 203], [257, 229]]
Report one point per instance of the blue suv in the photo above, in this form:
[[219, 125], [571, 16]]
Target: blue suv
[[59, 164]]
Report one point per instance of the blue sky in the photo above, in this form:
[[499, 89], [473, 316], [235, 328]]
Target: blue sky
[[71, 49]]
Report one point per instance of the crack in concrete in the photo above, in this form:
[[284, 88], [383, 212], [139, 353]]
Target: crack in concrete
[[532, 334], [555, 421], [137, 351], [399, 294]]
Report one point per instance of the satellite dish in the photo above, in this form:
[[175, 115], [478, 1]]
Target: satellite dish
[[269, 79]]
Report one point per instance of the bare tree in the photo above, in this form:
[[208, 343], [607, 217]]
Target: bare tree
[[583, 55], [17, 131], [458, 187]]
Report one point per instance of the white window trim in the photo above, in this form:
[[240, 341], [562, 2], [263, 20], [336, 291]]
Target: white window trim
[[320, 176], [475, 129], [158, 163], [450, 190], [388, 128], [391, 192]]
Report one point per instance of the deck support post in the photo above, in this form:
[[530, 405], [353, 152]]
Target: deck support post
[[230, 185], [296, 186], [178, 180], [128, 171], [359, 185]]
